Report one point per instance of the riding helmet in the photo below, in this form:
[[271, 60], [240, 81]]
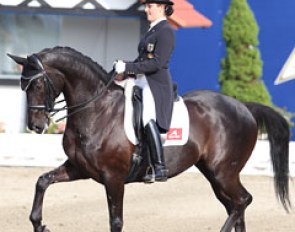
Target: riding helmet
[[166, 2]]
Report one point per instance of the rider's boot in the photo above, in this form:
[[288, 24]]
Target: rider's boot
[[156, 151]]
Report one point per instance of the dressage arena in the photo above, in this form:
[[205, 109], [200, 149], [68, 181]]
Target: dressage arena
[[185, 203]]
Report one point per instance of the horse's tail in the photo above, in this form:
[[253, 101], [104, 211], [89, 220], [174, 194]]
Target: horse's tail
[[278, 132]]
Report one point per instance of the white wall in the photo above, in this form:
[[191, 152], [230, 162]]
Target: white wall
[[30, 152], [12, 108], [102, 39]]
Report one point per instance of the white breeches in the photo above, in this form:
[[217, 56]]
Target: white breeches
[[149, 110]]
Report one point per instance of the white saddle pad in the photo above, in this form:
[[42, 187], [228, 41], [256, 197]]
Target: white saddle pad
[[179, 129]]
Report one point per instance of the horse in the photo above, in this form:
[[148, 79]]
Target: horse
[[222, 134]]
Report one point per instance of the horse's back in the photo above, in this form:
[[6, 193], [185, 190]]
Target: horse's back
[[219, 107], [221, 126]]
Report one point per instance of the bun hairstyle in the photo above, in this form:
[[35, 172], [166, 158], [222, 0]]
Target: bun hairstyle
[[169, 10], [168, 5]]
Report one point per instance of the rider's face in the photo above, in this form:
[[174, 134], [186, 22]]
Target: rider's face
[[154, 11]]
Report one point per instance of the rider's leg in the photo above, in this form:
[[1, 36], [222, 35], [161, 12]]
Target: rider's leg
[[156, 151], [152, 134]]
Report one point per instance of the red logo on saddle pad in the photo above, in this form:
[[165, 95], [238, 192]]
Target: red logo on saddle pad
[[174, 134]]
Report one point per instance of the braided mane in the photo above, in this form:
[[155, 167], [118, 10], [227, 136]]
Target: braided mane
[[71, 57]]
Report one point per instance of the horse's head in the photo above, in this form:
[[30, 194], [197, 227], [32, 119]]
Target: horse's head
[[42, 85]]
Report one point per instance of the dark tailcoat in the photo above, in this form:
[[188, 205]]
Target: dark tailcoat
[[155, 49]]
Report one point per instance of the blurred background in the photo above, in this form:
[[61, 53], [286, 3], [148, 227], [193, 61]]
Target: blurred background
[[106, 30]]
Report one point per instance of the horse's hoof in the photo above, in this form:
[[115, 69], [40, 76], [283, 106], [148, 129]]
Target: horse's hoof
[[44, 229]]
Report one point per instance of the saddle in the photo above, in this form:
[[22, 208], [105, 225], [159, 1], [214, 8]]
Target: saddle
[[177, 135]]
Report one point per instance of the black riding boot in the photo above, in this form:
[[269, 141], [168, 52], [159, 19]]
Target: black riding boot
[[156, 153]]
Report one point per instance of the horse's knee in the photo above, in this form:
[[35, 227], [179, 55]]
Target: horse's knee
[[44, 181]]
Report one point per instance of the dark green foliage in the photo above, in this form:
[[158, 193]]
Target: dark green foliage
[[242, 65]]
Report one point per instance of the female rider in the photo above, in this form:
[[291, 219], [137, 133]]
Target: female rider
[[152, 75]]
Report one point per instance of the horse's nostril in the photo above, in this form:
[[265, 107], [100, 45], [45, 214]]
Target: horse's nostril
[[37, 129]]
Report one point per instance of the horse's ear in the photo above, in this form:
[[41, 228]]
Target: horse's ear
[[18, 60]]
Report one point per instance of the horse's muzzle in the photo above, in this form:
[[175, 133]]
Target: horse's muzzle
[[39, 129], [38, 122]]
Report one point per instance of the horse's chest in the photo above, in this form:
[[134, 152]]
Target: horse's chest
[[83, 151]]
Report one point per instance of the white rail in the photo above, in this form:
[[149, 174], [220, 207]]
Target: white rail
[[46, 150]]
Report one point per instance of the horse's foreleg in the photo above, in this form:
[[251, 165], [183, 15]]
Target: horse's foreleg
[[115, 194], [240, 225], [64, 173]]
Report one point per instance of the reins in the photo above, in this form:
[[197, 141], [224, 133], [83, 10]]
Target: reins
[[49, 86]]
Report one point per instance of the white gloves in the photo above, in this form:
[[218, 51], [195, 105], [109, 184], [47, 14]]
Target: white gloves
[[119, 66]]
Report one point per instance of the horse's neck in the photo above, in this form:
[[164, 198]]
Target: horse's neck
[[82, 79], [80, 86], [100, 102], [99, 120], [88, 83]]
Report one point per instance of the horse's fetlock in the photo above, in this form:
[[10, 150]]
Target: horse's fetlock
[[35, 218], [36, 221], [117, 224], [41, 229]]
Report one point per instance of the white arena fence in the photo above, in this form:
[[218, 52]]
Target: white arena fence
[[46, 150]]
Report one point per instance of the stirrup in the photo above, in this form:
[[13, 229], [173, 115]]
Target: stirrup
[[161, 174], [150, 176]]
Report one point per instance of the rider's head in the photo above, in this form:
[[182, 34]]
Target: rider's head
[[156, 9]]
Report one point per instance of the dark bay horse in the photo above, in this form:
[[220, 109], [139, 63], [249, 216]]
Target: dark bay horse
[[223, 133]]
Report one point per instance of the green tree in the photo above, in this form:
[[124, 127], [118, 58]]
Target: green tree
[[241, 68]]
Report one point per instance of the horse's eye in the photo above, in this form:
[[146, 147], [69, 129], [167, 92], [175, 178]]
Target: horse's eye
[[38, 85]]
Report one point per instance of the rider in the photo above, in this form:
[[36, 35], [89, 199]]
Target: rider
[[153, 76]]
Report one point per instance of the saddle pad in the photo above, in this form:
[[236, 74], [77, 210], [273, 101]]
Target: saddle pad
[[179, 129]]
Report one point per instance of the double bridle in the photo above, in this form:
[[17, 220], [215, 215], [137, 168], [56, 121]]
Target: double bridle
[[50, 91]]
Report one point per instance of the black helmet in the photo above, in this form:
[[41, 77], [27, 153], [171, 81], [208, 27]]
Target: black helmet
[[166, 2]]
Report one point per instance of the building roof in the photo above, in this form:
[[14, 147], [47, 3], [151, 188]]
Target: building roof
[[184, 13], [186, 16]]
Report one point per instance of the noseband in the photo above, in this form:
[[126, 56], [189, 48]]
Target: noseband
[[50, 90]]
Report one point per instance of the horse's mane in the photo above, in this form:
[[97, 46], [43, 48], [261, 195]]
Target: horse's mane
[[73, 55]]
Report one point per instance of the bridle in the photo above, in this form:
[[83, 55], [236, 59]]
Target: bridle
[[48, 85], [50, 91]]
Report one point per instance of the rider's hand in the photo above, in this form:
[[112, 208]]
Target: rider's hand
[[120, 77], [119, 66]]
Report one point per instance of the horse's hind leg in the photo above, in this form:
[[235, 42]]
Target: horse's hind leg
[[235, 198], [65, 172], [240, 224], [230, 192], [236, 216]]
